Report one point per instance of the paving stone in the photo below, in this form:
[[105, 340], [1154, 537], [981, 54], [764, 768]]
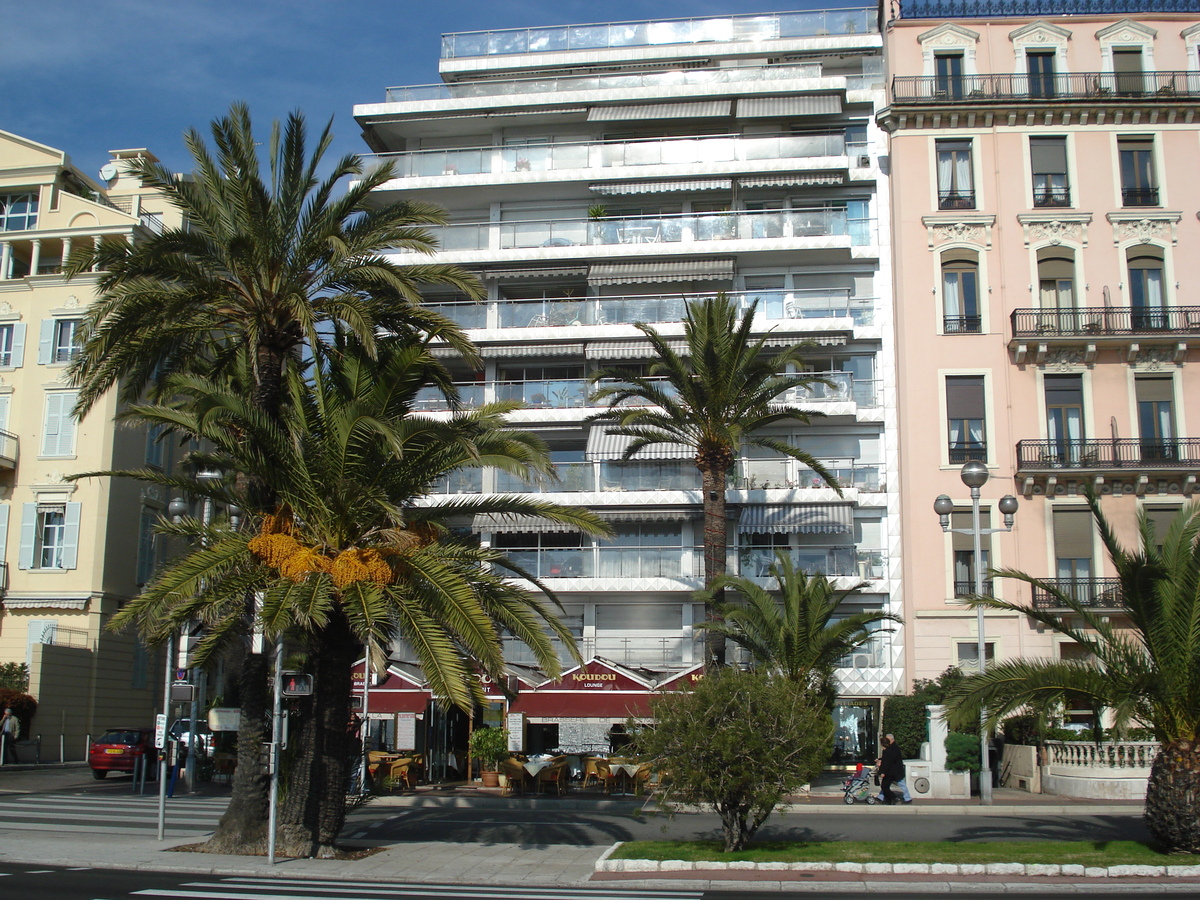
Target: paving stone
[[1043, 869], [1005, 868], [1137, 871], [911, 868]]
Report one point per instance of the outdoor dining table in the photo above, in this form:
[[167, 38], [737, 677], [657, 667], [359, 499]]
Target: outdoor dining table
[[627, 771], [536, 765]]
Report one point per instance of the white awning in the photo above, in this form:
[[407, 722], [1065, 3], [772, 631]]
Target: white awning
[[791, 105], [813, 518], [629, 349], [555, 272], [662, 187], [603, 445], [499, 523], [791, 179], [661, 270], [788, 340], [511, 351], [638, 111], [648, 515]]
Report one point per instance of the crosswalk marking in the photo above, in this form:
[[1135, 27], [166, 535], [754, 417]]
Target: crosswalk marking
[[186, 816]]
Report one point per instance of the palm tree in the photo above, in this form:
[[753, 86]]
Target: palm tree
[[721, 393], [1144, 669], [248, 288], [799, 635], [353, 555]]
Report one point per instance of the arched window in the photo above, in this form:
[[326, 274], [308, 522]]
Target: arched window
[[960, 293], [1056, 291], [1147, 296]]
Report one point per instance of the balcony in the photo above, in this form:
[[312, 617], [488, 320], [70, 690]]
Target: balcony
[[1092, 87], [548, 157], [571, 478], [964, 589], [672, 229], [789, 474], [9, 450], [1093, 593], [962, 324], [956, 199], [555, 393], [607, 562], [829, 561], [1098, 326], [1145, 196], [1128, 457], [1052, 196], [659, 32], [966, 451], [956, 9]]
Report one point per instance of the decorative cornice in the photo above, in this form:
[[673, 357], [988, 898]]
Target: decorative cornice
[[1055, 228], [1145, 227], [948, 34], [970, 229], [1039, 33]]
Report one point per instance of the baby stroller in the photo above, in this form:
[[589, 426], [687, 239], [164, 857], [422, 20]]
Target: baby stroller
[[859, 787]]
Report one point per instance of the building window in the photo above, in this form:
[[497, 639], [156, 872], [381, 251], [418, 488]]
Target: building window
[[18, 212], [948, 69], [1148, 304], [963, 547], [58, 424], [1064, 418], [49, 536], [642, 551], [1056, 292], [156, 447], [1127, 66], [955, 180], [1040, 66], [965, 418], [1073, 568], [1048, 161], [1161, 518], [59, 341], [148, 544], [12, 345], [1156, 420], [1139, 184], [967, 655], [960, 297]]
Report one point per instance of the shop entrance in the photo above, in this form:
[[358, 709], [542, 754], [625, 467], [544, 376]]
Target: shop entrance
[[855, 732]]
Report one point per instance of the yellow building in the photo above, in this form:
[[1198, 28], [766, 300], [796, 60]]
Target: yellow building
[[73, 552]]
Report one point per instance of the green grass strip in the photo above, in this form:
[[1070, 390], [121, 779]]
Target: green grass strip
[[1085, 853]]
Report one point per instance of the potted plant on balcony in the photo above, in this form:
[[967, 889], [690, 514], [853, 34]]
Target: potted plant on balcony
[[489, 745], [602, 232]]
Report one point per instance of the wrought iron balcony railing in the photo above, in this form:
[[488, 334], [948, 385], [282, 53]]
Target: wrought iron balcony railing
[[1073, 86], [1108, 453], [956, 199], [1139, 197], [966, 451], [1051, 196], [967, 588], [958, 9], [1092, 321], [1095, 593], [962, 324]]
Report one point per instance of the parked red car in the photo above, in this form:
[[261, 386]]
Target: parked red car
[[118, 749]]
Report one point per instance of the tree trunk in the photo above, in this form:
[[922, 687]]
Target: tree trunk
[[733, 827], [243, 827], [314, 810], [1173, 797], [713, 481]]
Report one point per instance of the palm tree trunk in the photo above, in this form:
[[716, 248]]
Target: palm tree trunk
[[314, 810], [1173, 797], [713, 481], [243, 827]]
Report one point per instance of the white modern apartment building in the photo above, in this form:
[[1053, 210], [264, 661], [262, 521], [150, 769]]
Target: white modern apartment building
[[601, 175]]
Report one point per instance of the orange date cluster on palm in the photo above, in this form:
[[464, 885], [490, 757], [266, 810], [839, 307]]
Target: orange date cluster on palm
[[297, 561]]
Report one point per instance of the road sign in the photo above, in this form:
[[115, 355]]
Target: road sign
[[160, 730]]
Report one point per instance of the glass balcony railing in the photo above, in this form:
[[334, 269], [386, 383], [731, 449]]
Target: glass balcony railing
[[467, 481], [465, 315], [571, 478], [788, 474], [649, 475], [431, 399], [672, 229], [662, 32], [558, 393], [829, 561], [606, 154], [602, 562], [462, 90], [955, 9]]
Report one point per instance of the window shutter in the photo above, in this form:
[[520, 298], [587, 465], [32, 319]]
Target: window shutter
[[1161, 518], [18, 345], [1072, 534], [71, 536], [1154, 389], [28, 535], [1048, 155], [46, 342], [964, 397], [962, 519], [58, 437], [4, 508]]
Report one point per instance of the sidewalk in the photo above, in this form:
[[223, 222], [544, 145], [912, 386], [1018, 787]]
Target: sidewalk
[[530, 864]]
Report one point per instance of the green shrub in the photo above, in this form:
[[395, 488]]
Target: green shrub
[[1021, 730], [962, 752], [22, 705], [489, 746], [14, 676], [907, 719]]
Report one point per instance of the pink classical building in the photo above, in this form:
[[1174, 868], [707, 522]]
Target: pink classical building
[[1047, 258]]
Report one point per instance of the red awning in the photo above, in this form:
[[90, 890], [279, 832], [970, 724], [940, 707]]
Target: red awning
[[583, 704], [384, 701]]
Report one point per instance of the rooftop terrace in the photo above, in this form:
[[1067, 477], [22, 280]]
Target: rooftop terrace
[[974, 9]]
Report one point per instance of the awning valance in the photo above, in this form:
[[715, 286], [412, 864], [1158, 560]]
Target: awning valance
[[511, 351], [791, 105], [638, 111], [791, 179], [499, 523], [663, 187], [603, 445], [552, 272], [661, 270], [787, 340], [617, 516], [811, 518], [629, 349]]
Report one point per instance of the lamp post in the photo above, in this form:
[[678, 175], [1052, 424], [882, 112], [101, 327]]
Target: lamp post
[[974, 475]]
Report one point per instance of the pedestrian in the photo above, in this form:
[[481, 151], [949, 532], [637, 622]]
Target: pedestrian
[[891, 768], [10, 730]]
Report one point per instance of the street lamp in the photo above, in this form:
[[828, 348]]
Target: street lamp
[[974, 475]]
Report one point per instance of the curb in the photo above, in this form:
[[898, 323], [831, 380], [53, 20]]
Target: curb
[[644, 866]]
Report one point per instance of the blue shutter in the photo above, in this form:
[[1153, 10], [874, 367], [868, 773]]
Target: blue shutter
[[18, 345], [28, 535], [52, 424], [4, 509], [71, 536], [46, 342]]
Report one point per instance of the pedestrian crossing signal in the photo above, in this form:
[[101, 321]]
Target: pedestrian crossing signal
[[297, 684]]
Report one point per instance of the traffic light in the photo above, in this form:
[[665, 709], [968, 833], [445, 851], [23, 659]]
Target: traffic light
[[296, 684]]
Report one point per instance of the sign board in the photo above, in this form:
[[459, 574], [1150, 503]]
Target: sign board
[[160, 731], [224, 718], [406, 730], [516, 732]]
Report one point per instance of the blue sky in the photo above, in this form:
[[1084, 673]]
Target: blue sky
[[89, 76]]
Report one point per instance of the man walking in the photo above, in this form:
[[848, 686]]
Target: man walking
[[891, 768], [10, 730]]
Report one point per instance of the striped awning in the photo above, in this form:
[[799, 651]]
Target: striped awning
[[638, 111], [538, 350], [791, 179], [500, 523], [554, 272], [811, 518], [618, 516], [791, 105], [787, 340], [662, 187], [661, 270], [605, 446], [629, 349]]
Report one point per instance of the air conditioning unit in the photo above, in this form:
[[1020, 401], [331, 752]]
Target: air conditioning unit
[[864, 161], [862, 660]]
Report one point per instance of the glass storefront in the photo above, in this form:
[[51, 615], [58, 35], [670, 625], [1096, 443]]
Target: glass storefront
[[855, 732]]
